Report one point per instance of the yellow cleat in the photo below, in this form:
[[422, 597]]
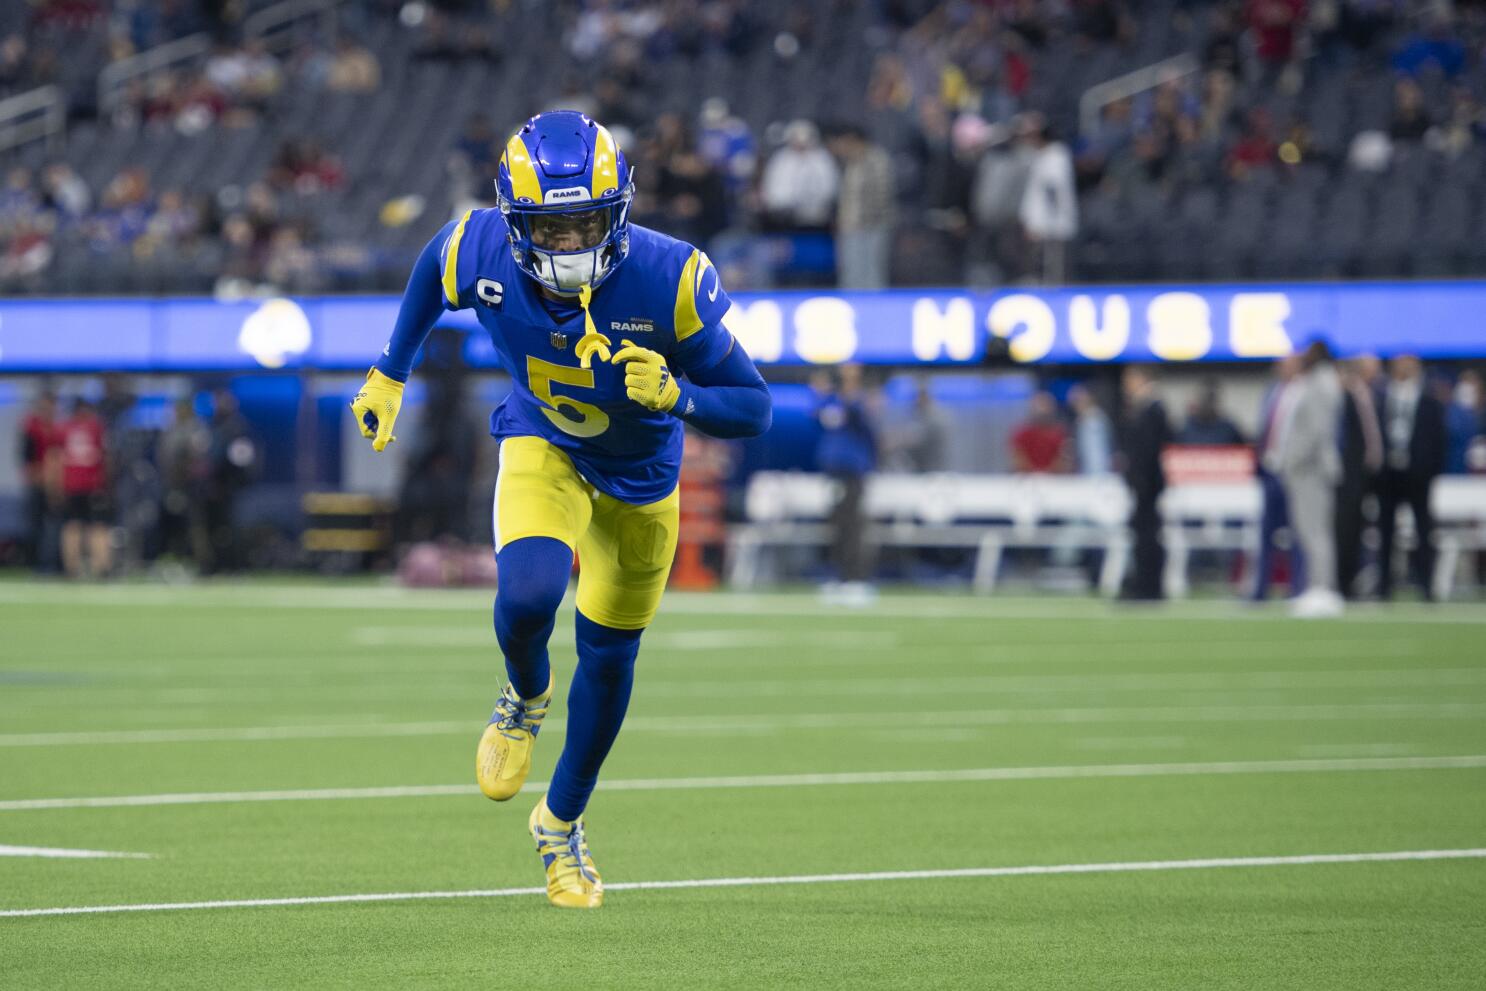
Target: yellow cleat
[[504, 757], [572, 880]]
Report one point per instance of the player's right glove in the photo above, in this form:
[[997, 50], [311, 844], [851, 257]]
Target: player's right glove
[[375, 408]]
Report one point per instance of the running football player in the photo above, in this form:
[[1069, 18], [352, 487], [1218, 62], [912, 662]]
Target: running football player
[[614, 336]]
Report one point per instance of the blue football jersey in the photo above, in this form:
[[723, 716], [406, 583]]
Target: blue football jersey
[[665, 296]]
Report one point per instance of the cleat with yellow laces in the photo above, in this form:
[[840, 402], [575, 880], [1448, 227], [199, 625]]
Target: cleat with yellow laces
[[572, 880], [504, 757]]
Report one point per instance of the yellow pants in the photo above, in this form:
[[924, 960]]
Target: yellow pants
[[624, 551]]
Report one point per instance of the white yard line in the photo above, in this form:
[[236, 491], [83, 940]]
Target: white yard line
[[1051, 772], [374, 599], [1067, 683], [1031, 870], [732, 724], [64, 853]]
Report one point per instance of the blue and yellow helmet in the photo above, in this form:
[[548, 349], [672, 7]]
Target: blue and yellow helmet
[[564, 188]]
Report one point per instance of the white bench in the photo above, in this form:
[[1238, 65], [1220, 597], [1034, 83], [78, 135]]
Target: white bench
[[987, 514]]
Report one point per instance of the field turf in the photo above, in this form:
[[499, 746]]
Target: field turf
[[769, 737]]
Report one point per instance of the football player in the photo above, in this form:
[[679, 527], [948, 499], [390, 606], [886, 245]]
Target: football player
[[614, 336]]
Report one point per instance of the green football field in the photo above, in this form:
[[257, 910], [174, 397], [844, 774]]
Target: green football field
[[939, 791]]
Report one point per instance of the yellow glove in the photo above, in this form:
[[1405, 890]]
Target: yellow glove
[[375, 408], [647, 380]]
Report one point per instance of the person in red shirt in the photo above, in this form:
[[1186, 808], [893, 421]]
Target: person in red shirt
[[1040, 445], [80, 470], [1275, 25], [38, 437]]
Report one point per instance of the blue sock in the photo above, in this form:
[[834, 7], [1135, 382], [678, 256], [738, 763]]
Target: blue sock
[[596, 704], [533, 573]]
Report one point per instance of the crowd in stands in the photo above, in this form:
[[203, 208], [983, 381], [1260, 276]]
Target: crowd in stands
[[962, 160]]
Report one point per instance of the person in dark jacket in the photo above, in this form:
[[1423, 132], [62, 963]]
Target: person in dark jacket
[[1146, 433], [1361, 459], [848, 453], [1414, 453], [233, 461]]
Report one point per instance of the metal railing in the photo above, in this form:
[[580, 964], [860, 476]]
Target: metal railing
[[35, 115], [116, 76], [279, 27], [1096, 98]]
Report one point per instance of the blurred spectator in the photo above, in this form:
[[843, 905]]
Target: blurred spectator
[[1464, 423], [232, 463], [64, 191], [472, 163], [1223, 51], [1255, 149], [922, 443], [1414, 453], [15, 62], [1410, 118], [1274, 515], [799, 183], [996, 246], [847, 452], [1049, 208], [306, 168], [1436, 49], [1093, 436], [183, 450], [1040, 444], [290, 266], [433, 503], [1462, 129], [865, 211], [692, 196], [248, 74], [39, 437], [80, 470], [353, 68], [1206, 422], [1275, 26], [123, 212], [1361, 458], [727, 143], [1145, 435], [1306, 458]]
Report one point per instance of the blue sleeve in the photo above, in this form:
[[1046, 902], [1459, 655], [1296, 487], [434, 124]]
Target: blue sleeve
[[422, 304], [728, 399]]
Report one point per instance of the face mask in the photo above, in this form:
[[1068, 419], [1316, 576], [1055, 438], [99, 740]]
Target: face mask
[[573, 270]]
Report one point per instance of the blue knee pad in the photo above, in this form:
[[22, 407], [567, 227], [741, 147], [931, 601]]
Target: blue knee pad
[[533, 575]]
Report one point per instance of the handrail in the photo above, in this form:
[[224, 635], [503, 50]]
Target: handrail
[[288, 14], [112, 79], [40, 113], [1097, 97]]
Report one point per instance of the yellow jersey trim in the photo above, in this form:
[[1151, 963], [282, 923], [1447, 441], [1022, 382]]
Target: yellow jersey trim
[[688, 321], [451, 261]]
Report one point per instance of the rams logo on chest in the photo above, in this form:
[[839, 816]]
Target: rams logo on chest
[[634, 325]]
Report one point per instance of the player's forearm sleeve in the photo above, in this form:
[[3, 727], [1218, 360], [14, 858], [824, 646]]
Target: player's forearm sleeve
[[422, 303], [727, 400]]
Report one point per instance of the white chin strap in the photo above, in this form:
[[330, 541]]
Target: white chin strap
[[570, 271]]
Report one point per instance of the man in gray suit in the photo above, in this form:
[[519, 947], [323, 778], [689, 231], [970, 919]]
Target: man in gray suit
[[1308, 462]]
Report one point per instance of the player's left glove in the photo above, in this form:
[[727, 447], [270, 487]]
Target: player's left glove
[[375, 408], [647, 380]]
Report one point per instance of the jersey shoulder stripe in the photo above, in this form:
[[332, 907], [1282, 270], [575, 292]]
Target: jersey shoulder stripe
[[450, 275]]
